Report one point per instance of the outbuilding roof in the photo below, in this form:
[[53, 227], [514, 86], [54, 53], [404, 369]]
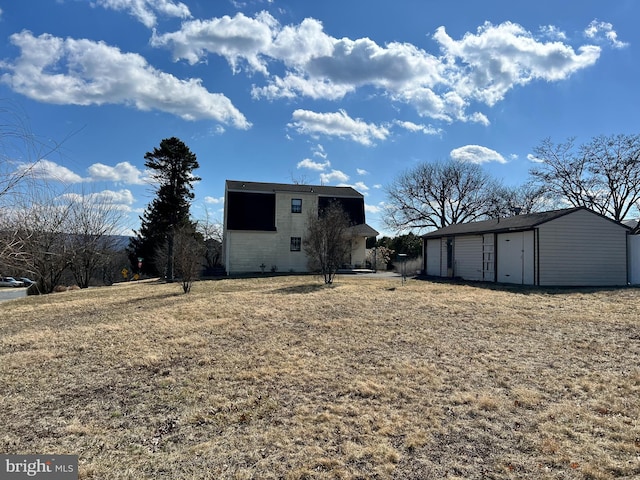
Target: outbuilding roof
[[241, 186], [508, 224], [631, 223]]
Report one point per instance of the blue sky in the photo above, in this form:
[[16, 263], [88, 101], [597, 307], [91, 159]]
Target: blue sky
[[333, 92]]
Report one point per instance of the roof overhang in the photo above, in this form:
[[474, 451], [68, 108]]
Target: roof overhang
[[363, 230]]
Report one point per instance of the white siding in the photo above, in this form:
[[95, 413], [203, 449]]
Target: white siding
[[433, 257], [358, 256], [516, 258], [247, 250], [634, 259], [468, 257], [582, 249]]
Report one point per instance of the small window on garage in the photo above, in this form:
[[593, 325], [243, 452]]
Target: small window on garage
[[296, 205], [296, 244]]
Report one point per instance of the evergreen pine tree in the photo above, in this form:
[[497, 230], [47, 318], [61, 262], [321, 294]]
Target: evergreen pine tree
[[171, 165]]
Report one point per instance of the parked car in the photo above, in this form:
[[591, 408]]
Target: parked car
[[27, 281], [10, 282]]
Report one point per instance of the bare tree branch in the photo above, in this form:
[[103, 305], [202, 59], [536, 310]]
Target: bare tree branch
[[434, 195], [327, 241], [603, 175]]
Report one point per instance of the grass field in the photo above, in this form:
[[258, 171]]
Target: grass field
[[285, 378]]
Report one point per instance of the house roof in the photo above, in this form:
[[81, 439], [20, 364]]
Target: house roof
[[363, 230], [509, 224], [242, 186]]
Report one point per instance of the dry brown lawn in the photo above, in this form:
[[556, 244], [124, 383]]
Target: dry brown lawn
[[285, 378]]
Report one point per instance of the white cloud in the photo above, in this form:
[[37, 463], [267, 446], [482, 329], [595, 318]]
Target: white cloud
[[84, 72], [121, 200], [414, 127], [123, 172], [294, 85], [486, 65], [552, 32], [476, 154], [238, 38], [333, 176], [311, 165], [477, 117], [373, 209], [338, 124], [597, 29], [48, 170], [145, 10], [123, 197], [361, 171], [214, 200], [298, 60], [318, 151], [363, 62], [534, 159], [480, 67]]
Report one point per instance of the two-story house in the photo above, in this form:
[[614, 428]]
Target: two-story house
[[265, 224]]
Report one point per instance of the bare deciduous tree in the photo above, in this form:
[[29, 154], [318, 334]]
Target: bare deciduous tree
[[603, 175], [508, 201], [615, 162], [211, 231], [92, 224], [327, 243], [562, 174], [188, 251], [40, 227], [42, 233], [434, 195]]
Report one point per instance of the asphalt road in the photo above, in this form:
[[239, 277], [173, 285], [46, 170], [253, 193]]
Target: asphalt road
[[9, 293]]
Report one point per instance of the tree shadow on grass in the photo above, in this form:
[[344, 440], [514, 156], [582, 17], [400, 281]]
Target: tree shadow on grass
[[155, 299], [309, 288]]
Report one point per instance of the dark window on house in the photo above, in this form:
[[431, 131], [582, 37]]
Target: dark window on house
[[353, 206], [449, 252], [296, 244], [251, 211], [296, 205]]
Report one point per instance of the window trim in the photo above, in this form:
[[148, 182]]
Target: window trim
[[295, 244]]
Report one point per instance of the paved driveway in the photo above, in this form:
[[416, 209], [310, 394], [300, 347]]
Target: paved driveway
[[9, 293]]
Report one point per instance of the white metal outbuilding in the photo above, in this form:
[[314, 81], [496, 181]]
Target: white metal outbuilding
[[569, 247]]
